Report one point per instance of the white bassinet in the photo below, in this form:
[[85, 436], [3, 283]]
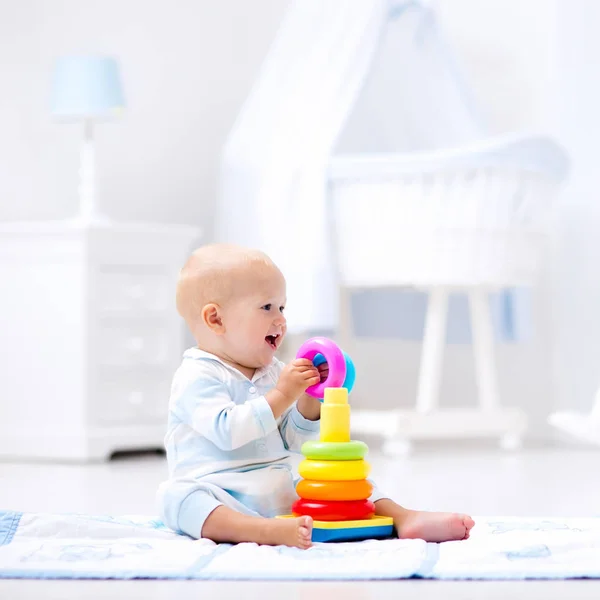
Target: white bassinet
[[474, 219]]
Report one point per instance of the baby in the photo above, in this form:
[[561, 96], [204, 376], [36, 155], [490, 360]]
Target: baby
[[236, 413]]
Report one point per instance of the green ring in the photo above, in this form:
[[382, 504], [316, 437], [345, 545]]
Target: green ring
[[352, 450]]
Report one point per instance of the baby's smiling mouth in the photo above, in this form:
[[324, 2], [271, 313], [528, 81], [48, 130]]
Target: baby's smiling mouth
[[273, 340]]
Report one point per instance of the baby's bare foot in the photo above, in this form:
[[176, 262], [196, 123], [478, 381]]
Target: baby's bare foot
[[289, 532], [433, 526]]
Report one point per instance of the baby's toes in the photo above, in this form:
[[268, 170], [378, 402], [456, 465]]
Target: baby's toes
[[304, 541], [305, 530], [307, 526], [468, 522]]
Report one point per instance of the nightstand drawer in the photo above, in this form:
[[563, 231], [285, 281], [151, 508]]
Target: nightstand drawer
[[122, 343], [133, 289], [132, 396], [105, 343]]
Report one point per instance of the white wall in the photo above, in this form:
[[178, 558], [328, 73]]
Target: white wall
[[506, 50], [187, 65], [575, 102]]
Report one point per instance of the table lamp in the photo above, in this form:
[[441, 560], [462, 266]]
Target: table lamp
[[87, 89]]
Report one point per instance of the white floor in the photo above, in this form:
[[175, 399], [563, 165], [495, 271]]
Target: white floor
[[479, 480]]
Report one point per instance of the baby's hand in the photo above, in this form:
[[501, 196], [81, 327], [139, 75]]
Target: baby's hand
[[296, 377]]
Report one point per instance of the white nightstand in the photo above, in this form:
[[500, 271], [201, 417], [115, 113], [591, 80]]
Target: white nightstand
[[89, 336]]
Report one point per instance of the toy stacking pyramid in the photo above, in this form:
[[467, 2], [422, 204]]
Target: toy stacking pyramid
[[334, 489]]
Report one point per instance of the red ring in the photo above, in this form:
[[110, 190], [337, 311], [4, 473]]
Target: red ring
[[348, 510]]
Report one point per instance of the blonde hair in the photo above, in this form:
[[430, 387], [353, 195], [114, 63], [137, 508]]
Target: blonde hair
[[213, 273]]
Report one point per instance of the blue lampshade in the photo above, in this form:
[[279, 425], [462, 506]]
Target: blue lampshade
[[86, 87]]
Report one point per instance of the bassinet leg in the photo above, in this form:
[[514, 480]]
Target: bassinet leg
[[430, 373], [485, 364], [398, 440], [483, 349], [428, 420], [434, 340]]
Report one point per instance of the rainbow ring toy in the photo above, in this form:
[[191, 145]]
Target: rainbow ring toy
[[334, 489]]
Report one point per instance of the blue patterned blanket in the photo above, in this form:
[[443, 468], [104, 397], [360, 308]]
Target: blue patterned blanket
[[34, 545]]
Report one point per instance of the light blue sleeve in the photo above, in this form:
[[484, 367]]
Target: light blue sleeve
[[205, 404], [296, 429]]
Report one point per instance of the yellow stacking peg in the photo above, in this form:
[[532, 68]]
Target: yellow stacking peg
[[335, 416]]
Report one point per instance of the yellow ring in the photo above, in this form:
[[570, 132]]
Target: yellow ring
[[334, 470]]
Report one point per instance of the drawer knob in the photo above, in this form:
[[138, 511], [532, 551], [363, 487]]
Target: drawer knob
[[135, 344], [136, 398], [135, 292]]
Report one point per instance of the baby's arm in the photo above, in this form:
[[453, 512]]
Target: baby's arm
[[206, 405], [300, 422], [204, 402]]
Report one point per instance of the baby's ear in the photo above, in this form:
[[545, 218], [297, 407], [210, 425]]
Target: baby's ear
[[211, 317]]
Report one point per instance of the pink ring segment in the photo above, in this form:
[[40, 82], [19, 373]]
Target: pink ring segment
[[335, 359]]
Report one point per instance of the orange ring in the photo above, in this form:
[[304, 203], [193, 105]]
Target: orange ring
[[334, 490]]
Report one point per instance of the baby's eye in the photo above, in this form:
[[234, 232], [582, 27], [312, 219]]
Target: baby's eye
[[281, 308], [267, 307]]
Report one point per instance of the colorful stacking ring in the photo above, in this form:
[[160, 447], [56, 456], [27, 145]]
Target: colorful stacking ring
[[334, 470], [335, 359], [334, 490], [319, 359], [352, 450], [334, 511]]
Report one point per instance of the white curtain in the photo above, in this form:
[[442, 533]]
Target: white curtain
[[414, 97], [273, 178]]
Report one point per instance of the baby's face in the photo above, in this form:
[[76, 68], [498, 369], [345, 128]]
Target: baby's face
[[255, 324]]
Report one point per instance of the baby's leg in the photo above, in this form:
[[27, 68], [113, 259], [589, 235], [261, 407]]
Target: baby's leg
[[203, 509], [227, 525], [428, 526]]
